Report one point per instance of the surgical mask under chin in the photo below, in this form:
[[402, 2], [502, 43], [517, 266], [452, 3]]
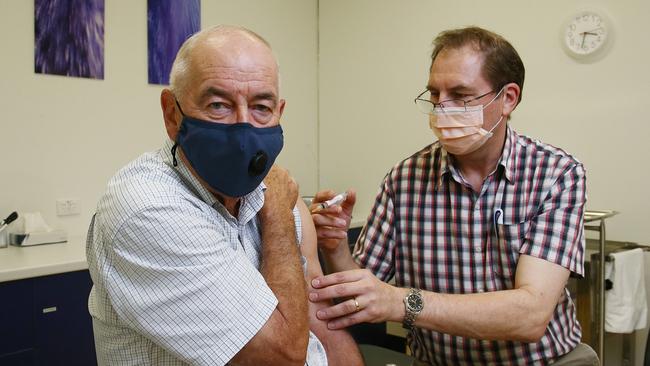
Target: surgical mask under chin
[[460, 129], [232, 159]]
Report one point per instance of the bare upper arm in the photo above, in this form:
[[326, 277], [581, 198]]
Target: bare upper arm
[[268, 334], [333, 340], [543, 280], [308, 247]]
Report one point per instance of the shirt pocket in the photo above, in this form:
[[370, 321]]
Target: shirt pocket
[[503, 253]]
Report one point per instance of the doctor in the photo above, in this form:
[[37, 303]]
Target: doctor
[[480, 230], [199, 252]]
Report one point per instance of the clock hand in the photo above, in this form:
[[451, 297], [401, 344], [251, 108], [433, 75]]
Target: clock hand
[[583, 39]]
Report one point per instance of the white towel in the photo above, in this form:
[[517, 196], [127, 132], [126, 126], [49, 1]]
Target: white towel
[[626, 306]]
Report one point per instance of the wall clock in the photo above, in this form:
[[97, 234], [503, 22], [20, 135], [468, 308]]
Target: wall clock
[[587, 35]]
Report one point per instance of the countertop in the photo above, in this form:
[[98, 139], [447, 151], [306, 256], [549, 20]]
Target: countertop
[[17, 263]]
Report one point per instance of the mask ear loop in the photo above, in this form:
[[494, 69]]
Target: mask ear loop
[[495, 125], [495, 97], [174, 161], [500, 119], [173, 151]]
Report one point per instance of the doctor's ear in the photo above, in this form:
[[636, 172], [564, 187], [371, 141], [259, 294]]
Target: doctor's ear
[[170, 113], [511, 92]]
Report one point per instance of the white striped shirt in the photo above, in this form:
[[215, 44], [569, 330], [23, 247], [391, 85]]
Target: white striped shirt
[[176, 277]]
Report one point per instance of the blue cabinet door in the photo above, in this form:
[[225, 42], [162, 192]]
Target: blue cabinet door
[[63, 326], [16, 321], [21, 358]]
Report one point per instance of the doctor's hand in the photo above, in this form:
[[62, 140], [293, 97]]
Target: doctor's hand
[[364, 297], [332, 223]]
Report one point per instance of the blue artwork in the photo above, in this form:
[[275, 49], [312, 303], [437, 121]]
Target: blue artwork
[[69, 38], [170, 23]]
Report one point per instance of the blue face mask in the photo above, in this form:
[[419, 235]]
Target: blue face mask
[[232, 159]]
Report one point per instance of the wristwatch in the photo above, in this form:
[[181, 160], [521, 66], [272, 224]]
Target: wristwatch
[[414, 303]]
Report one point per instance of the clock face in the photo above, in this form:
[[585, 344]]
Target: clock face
[[585, 34]]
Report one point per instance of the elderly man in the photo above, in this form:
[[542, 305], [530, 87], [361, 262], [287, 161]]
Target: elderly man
[[480, 230], [195, 249]]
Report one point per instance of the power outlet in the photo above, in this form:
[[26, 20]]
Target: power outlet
[[69, 206]]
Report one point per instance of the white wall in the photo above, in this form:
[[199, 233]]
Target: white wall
[[65, 137], [374, 59]]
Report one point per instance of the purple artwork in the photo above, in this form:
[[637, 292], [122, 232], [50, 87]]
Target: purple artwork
[[69, 38], [170, 23]]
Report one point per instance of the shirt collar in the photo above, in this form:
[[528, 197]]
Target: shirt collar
[[445, 162], [250, 203], [507, 160]]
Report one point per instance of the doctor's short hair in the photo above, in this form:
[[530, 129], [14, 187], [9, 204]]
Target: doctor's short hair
[[501, 62]]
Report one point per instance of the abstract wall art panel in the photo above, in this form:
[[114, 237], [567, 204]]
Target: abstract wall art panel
[[69, 38], [170, 23]]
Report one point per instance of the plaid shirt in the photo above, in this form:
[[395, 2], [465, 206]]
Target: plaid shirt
[[428, 229]]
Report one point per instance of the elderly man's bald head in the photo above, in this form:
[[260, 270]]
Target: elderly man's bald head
[[221, 40]]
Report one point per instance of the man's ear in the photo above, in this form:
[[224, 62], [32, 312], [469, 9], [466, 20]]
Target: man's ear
[[171, 115], [511, 93], [281, 105]]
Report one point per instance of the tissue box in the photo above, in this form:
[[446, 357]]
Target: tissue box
[[37, 238], [3, 239]]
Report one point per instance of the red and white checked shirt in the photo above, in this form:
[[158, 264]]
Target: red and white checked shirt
[[428, 229]]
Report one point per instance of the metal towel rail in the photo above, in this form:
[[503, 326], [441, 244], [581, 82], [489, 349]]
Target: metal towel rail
[[595, 221]]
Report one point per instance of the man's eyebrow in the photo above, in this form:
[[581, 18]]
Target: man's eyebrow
[[212, 91], [271, 97], [266, 95], [455, 88]]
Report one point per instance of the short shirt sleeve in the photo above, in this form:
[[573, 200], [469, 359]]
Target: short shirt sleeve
[[375, 247], [556, 232], [177, 280]]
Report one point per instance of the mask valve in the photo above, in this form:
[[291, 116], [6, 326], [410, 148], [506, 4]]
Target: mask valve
[[257, 165]]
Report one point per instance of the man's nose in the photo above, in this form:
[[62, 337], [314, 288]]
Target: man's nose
[[243, 114]]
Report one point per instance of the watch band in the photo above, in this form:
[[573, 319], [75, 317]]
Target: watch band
[[412, 313]]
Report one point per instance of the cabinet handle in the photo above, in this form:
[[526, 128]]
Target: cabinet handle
[[49, 310]]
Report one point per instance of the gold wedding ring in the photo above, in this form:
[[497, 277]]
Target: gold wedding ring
[[356, 304]]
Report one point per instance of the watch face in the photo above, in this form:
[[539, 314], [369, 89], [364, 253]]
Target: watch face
[[415, 302]]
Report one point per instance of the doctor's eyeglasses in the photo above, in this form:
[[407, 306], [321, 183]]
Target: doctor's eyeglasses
[[426, 105]]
